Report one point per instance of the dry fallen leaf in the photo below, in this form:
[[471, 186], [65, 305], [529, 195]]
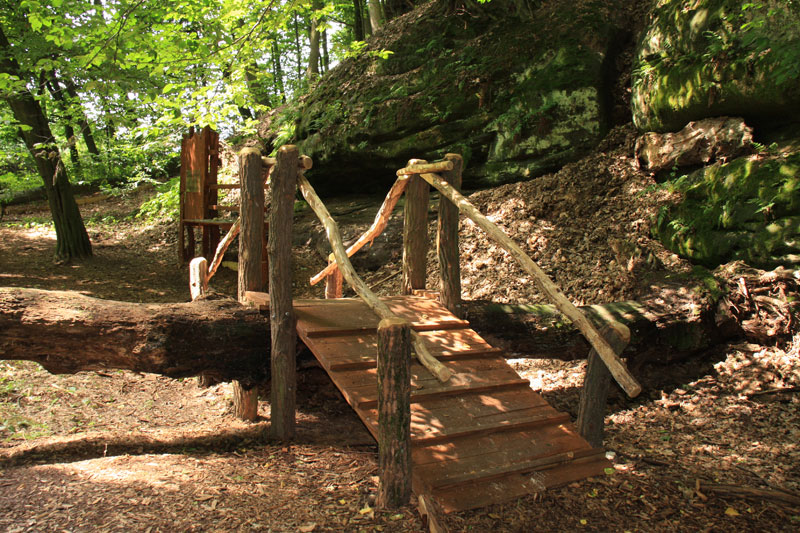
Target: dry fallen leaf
[[730, 511], [308, 528]]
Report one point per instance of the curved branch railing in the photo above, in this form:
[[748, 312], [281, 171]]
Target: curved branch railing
[[345, 266]]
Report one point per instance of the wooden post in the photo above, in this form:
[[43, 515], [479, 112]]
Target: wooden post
[[198, 273], [334, 281], [245, 401], [415, 233], [592, 407], [447, 242], [282, 320], [394, 413]]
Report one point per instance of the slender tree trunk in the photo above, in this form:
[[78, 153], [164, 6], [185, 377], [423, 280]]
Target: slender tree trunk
[[83, 124], [358, 21], [313, 42], [72, 241], [298, 49], [375, 14], [278, 71], [69, 132], [326, 63]]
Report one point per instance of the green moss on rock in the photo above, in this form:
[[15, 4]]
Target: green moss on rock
[[747, 209], [717, 57], [519, 97]]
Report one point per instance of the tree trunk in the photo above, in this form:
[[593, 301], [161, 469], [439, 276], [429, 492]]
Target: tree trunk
[[358, 21], [86, 131], [67, 332], [375, 14], [278, 71], [313, 42], [298, 49], [326, 61], [69, 132], [72, 241]]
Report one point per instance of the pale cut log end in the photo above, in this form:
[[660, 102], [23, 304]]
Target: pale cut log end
[[395, 321], [305, 162]]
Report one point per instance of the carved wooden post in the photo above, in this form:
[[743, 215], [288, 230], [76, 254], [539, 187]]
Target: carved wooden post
[[394, 414], [447, 242], [281, 313], [334, 281], [415, 233], [592, 407], [245, 400]]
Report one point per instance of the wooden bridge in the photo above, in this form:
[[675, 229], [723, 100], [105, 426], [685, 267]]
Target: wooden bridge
[[482, 437], [456, 422]]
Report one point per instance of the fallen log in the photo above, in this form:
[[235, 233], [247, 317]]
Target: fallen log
[[667, 327], [67, 332]]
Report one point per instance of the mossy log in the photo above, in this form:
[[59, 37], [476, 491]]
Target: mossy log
[[664, 328], [67, 332]]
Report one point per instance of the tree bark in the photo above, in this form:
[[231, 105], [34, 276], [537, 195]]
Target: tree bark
[[245, 399], [283, 394], [278, 70], [67, 332], [375, 14], [72, 241], [447, 242], [313, 42], [358, 21], [86, 131], [394, 413], [415, 234]]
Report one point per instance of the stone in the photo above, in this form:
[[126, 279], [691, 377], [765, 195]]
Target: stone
[[699, 143]]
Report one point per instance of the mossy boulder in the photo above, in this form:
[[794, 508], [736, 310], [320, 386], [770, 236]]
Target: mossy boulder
[[517, 96], [718, 57], [747, 209]]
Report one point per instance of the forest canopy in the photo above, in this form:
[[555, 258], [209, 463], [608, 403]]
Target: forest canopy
[[118, 80]]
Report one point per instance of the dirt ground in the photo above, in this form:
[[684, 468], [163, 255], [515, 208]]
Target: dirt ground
[[711, 445]]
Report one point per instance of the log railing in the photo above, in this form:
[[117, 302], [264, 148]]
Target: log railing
[[361, 288], [590, 331]]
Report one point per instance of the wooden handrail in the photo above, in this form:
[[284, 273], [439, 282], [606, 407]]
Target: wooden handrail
[[422, 168], [615, 365], [221, 248], [378, 225], [436, 368]]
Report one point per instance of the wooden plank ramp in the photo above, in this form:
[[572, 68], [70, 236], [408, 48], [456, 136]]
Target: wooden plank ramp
[[484, 437]]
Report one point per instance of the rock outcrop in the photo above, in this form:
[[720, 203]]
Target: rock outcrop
[[517, 95], [717, 57]]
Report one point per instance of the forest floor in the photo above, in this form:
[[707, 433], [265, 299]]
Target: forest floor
[[711, 445]]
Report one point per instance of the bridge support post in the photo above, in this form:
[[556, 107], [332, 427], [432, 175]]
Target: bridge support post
[[245, 400], [594, 393], [415, 233], [447, 242], [281, 312], [394, 412], [334, 282]]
